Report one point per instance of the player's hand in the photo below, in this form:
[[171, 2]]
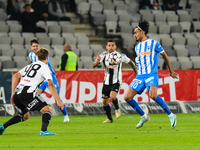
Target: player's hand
[[61, 105], [11, 99], [174, 75], [98, 58]]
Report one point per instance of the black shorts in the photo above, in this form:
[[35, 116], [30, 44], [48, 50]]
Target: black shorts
[[108, 88], [26, 102]]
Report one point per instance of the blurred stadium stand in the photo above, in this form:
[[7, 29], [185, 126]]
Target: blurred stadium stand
[[96, 21]]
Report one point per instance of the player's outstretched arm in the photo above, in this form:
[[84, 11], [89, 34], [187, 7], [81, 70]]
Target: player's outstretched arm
[[53, 91], [97, 61], [15, 79], [172, 73], [133, 66]]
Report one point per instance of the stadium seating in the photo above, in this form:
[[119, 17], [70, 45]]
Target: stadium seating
[[20, 61], [8, 64], [88, 64], [160, 63], [178, 33], [185, 62], [196, 61], [80, 64], [20, 52]]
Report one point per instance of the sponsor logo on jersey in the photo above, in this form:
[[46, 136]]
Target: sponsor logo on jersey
[[114, 66], [149, 79], [27, 80], [143, 53], [138, 81]]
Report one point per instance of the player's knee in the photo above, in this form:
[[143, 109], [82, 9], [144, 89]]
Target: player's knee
[[113, 98], [46, 108], [127, 97], [25, 116], [153, 96], [105, 102], [49, 110]]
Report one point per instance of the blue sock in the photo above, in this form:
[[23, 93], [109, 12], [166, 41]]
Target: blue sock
[[162, 104], [135, 106], [64, 111]]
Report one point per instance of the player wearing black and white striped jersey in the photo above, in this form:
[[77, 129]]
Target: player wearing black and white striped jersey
[[112, 79], [113, 73], [25, 97]]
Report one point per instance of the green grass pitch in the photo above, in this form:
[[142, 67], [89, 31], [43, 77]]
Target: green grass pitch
[[89, 133]]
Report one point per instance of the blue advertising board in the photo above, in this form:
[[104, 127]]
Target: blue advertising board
[[5, 87]]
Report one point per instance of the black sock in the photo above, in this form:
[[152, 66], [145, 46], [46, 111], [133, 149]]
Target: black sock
[[46, 117], [12, 121], [108, 111], [116, 104]]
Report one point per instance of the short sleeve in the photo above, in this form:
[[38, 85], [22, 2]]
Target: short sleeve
[[30, 54], [22, 71], [158, 47], [45, 71], [125, 58], [102, 55]]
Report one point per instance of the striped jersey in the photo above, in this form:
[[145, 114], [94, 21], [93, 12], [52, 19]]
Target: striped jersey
[[147, 56], [113, 74], [34, 58], [33, 75]]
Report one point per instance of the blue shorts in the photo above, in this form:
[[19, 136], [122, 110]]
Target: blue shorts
[[55, 82], [144, 81]]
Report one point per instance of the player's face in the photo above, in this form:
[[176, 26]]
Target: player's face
[[111, 47], [35, 47], [138, 34]]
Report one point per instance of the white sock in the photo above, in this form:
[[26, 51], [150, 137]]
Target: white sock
[[144, 116], [170, 115]]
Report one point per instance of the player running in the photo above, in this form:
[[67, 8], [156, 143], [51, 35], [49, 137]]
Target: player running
[[25, 97], [112, 80], [32, 55], [147, 73]]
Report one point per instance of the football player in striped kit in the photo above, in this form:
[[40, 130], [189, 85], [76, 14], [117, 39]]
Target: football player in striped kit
[[25, 97], [147, 52], [112, 80]]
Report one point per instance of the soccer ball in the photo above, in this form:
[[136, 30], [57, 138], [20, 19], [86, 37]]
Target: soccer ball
[[114, 58]]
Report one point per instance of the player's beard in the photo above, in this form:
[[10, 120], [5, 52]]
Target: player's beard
[[137, 40], [111, 50]]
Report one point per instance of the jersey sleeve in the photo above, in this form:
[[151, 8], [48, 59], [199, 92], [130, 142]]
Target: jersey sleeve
[[30, 56], [22, 71], [158, 47], [125, 58], [45, 71]]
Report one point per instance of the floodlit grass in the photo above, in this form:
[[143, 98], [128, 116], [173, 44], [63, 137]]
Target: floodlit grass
[[88, 132]]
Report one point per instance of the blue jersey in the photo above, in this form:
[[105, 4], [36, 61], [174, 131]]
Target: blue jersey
[[34, 58], [147, 57]]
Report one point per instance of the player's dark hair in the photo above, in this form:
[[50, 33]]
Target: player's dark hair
[[143, 25], [34, 41], [111, 41], [42, 54]]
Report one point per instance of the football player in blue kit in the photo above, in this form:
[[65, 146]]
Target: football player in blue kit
[[32, 55], [147, 56]]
